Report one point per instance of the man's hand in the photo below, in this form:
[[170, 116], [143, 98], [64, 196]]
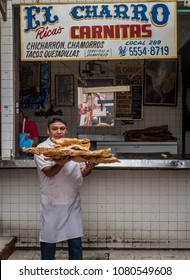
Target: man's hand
[[53, 170], [62, 161], [28, 136], [87, 169]]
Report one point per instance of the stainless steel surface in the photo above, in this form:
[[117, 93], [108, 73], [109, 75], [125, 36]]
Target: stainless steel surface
[[152, 161], [17, 163], [102, 137], [138, 147], [147, 164]]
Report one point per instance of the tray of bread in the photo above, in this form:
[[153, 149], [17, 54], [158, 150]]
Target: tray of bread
[[77, 149]]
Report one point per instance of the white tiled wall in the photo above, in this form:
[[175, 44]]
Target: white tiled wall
[[7, 86], [122, 209]]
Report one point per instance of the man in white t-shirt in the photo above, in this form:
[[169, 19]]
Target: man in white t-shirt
[[60, 206]]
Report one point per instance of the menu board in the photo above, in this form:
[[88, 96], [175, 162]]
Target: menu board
[[123, 105], [129, 105]]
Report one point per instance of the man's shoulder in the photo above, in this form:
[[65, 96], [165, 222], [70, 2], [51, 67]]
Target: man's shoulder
[[45, 143]]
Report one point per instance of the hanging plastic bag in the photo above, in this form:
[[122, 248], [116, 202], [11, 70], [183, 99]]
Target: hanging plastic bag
[[27, 143], [23, 141]]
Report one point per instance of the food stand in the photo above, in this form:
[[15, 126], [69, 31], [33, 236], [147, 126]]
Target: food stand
[[143, 189]]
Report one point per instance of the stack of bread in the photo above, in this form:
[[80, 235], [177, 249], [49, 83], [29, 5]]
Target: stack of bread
[[77, 149], [153, 133]]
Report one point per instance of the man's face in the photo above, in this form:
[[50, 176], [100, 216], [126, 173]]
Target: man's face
[[57, 130]]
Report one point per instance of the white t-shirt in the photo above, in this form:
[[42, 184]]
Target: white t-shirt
[[60, 208]]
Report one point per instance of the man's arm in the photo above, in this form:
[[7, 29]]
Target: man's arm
[[53, 170], [86, 170], [35, 141]]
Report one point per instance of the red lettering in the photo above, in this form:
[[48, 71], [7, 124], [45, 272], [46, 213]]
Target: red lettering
[[125, 31], [109, 31], [146, 32], [135, 31], [85, 32], [43, 32], [75, 32], [97, 32], [117, 31]]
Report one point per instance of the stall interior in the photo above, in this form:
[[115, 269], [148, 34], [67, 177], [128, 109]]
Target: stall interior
[[96, 103], [55, 87]]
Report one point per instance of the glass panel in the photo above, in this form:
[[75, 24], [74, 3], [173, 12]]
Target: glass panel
[[96, 109], [34, 84]]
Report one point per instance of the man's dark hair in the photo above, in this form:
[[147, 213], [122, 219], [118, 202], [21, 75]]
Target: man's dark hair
[[56, 118]]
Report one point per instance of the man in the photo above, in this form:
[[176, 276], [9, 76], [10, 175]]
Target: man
[[61, 217], [29, 127]]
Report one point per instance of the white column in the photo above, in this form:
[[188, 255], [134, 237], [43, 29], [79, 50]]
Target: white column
[[7, 86]]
